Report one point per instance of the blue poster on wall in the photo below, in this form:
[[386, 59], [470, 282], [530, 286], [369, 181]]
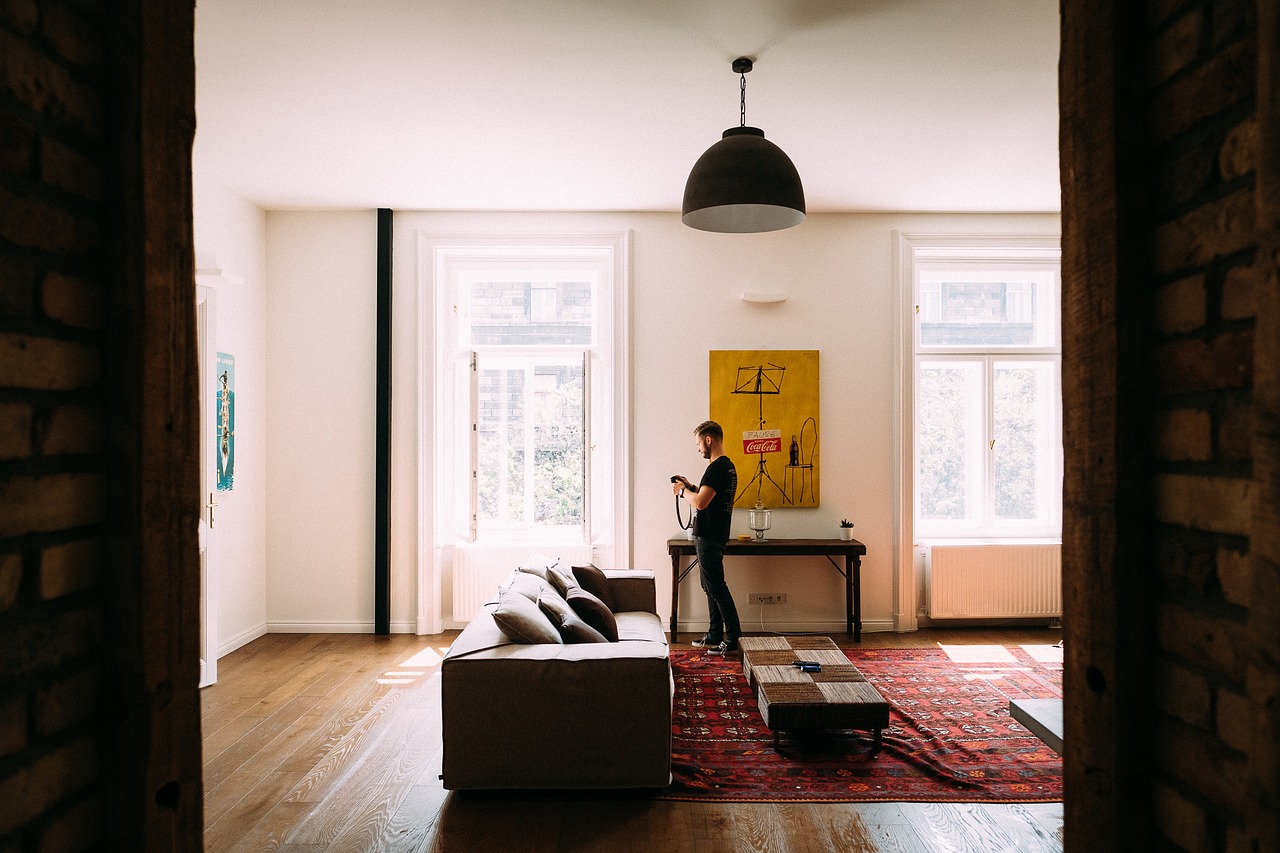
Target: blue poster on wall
[[226, 421]]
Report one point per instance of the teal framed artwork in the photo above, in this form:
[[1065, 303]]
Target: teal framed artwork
[[226, 426]]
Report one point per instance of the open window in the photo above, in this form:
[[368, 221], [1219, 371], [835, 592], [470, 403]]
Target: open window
[[529, 393]]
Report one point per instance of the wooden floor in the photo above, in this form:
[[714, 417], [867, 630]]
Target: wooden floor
[[331, 742]]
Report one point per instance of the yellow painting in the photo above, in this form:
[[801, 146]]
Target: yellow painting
[[767, 403]]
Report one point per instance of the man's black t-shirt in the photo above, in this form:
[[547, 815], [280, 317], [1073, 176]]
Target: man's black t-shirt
[[712, 522]]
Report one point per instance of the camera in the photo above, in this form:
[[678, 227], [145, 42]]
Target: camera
[[675, 478]]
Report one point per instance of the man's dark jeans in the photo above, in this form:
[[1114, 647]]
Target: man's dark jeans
[[724, 615]]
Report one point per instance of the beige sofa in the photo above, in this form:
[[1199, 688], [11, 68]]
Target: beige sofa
[[591, 715]]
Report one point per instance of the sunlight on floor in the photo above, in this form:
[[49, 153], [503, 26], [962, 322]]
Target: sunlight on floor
[[425, 658], [1045, 654], [413, 668], [978, 654], [987, 675]]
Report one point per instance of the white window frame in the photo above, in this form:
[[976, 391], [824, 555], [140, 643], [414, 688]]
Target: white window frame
[[443, 368], [914, 252], [980, 523]]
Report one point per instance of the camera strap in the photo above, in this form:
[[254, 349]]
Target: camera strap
[[680, 519]]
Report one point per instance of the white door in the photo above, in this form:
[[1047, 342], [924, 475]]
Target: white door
[[207, 345]]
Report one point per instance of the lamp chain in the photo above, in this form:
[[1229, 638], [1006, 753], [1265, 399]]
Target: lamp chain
[[742, 116]]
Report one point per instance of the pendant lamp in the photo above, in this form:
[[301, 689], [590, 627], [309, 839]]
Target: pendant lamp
[[744, 183]]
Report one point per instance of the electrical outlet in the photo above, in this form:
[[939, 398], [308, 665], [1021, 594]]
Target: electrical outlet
[[766, 598]]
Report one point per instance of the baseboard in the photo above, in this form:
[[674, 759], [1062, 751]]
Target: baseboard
[[869, 626], [992, 622], [334, 628], [243, 639]]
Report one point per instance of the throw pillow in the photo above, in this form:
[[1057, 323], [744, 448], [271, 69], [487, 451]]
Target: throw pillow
[[528, 585], [572, 629], [536, 563], [561, 580], [594, 612], [594, 581], [522, 621], [536, 571]]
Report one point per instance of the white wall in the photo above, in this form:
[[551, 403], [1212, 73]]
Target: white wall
[[837, 270], [321, 351], [230, 234]]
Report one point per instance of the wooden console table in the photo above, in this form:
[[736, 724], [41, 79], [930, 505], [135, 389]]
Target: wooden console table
[[851, 549]]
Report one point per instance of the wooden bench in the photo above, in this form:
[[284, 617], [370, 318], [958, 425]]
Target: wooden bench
[[838, 697]]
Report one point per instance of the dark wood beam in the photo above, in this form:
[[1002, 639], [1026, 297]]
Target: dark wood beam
[[1109, 627], [382, 427], [151, 761]]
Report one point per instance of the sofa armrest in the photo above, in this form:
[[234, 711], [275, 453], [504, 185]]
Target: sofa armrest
[[633, 589]]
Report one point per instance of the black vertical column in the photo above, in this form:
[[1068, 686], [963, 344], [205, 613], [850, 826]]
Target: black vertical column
[[382, 433]]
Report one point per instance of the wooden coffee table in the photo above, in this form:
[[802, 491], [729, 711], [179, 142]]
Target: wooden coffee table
[[838, 697]]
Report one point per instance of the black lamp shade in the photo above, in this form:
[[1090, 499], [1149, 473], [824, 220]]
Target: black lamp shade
[[743, 184]]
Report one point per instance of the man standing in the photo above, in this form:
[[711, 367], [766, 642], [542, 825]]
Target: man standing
[[713, 499]]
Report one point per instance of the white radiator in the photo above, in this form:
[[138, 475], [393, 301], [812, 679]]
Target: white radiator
[[477, 570], [1001, 581]]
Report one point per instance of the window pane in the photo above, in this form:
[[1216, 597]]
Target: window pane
[[529, 467], [500, 452], [948, 439], [558, 455], [987, 311], [1024, 448], [530, 313]]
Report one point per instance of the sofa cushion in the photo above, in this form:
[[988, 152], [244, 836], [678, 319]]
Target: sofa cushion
[[594, 612], [640, 626], [572, 628], [522, 621], [594, 581], [526, 584]]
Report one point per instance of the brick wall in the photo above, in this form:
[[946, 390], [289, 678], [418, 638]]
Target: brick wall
[[99, 719], [1171, 329], [53, 171], [1201, 135]]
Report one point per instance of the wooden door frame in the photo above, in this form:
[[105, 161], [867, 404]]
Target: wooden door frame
[[150, 706]]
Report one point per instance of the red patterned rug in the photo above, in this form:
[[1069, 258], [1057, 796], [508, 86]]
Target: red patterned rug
[[950, 736]]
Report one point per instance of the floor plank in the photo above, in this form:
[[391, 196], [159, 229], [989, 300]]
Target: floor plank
[[324, 743], [872, 827]]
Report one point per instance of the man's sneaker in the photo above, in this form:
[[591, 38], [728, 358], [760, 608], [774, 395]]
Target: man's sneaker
[[707, 643], [725, 647]]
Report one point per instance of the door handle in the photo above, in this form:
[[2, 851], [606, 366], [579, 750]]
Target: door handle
[[210, 505]]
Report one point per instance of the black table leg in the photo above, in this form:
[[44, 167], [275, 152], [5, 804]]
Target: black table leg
[[848, 595], [675, 594], [857, 598]]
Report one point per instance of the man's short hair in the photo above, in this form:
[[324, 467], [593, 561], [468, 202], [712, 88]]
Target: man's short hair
[[710, 428]]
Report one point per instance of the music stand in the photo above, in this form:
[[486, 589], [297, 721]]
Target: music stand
[[761, 381]]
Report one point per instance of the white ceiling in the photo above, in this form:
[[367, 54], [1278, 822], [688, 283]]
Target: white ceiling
[[922, 105]]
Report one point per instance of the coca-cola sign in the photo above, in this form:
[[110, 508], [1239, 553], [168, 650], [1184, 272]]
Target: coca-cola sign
[[762, 441]]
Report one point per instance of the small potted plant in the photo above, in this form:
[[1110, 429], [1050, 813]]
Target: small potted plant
[[846, 528]]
